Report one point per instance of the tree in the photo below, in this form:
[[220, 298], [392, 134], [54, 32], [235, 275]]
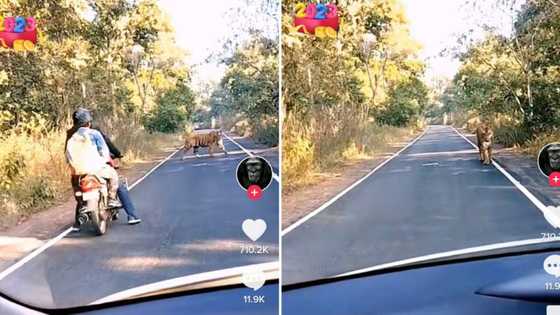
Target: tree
[[83, 58], [173, 109], [407, 102], [516, 75], [250, 87]]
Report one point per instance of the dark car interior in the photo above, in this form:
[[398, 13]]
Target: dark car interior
[[221, 301], [498, 284]]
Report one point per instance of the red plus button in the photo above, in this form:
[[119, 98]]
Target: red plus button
[[554, 179], [254, 192]]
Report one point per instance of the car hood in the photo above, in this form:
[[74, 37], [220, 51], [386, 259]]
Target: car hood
[[205, 280]]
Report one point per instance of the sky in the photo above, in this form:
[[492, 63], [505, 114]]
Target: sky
[[201, 25], [199, 28], [436, 24]]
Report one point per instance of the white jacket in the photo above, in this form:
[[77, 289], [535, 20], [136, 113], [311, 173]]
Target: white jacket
[[87, 152]]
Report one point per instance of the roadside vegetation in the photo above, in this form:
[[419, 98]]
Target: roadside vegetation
[[117, 58], [351, 97], [246, 100], [511, 82]]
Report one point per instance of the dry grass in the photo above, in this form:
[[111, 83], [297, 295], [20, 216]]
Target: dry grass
[[298, 154], [534, 146], [507, 131], [138, 145], [33, 170], [263, 130], [313, 148]]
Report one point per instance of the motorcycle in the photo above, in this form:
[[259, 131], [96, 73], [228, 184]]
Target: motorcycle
[[92, 197]]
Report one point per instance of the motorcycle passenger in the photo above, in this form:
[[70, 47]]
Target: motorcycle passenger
[[113, 150], [122, 191]]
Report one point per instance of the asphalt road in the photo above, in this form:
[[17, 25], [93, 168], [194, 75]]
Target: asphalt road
[[433, 197], [192, 212]]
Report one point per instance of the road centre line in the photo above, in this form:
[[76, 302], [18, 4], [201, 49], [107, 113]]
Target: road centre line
[[549, 216], [342, 193], [57, 238], [223, 154], [428, 154]]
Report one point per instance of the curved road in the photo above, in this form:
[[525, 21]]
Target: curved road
[[434, 196], [192, 212]]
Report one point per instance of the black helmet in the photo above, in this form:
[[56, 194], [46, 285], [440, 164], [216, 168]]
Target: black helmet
[[81, 117]]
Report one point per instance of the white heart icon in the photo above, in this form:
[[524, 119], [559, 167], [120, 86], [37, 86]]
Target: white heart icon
[[253, 279], [254, 229]]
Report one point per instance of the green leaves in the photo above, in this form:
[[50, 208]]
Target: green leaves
[[83, 59], [360, 71], [515, 76], [406, 102], [173, 110], [249, 89]]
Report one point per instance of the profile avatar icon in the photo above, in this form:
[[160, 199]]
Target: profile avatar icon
[[549, 159], [254, 171]]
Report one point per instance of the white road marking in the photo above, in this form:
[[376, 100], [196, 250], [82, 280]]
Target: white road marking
[[200, 164], [552, 218], [270, 269], [448, 254], [33, 254], [222, 154], [428, 154], [52, 241], [274, 175], [342, 193], [153, 169], [431, 164]]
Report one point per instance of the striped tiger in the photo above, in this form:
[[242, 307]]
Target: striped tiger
[[210, 140]]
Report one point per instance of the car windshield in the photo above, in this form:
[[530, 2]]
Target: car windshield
[[490, 250], [419, 136], [128, 157], [452, 204]]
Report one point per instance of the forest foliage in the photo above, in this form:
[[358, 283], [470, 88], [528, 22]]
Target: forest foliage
[[117, 58], [512, 81], [249, 89], [247, 98], [338, 93]]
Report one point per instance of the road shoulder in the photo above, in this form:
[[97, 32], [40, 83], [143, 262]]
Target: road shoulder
[[298, 203], [524, 169]]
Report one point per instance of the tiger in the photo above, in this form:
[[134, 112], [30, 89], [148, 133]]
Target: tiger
[[484, 136], [208, 140]]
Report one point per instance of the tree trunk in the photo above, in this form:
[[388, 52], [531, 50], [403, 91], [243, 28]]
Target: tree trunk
[[371, 85]]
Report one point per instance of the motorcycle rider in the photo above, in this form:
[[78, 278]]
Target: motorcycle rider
[[88, 153], [113, 151], [78, 118]]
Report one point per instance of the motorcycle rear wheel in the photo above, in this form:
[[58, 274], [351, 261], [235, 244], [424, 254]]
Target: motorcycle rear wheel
[[98, 220]]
